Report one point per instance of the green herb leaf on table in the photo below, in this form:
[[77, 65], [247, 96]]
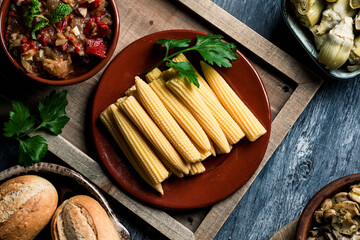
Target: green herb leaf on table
[[20, 120], [211, 48], [59, 13], [52, 112], [52, 116], [32, 150]]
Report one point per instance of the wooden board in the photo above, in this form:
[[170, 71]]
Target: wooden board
[[290, 87], [287, 232]]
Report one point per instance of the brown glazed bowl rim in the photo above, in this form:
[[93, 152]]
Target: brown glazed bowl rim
[[116, 27], [329, 190]]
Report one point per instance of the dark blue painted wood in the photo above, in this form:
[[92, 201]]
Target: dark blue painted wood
[[322, 146]]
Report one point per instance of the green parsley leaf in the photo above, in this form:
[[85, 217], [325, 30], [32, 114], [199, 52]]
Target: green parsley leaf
[[52, 117], [211, 48], [20, 120], [59, 13], [172, 43], [214, 50], [52, 112], [34, 10], [185, 70], [32, 150], [39, 25]]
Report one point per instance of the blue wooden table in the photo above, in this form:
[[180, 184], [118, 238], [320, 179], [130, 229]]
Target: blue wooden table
[[322, 146]]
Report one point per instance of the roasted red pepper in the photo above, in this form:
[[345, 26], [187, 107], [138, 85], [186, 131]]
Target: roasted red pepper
[[43, 39], [64, 47], [102, 30], [95, 4], [89, 26], [96, 47], [24, 47], [84, 5]]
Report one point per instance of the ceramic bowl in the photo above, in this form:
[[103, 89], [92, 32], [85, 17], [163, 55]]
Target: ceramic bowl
[[339, 185], [305, 37], [112, 46], [68, 183]]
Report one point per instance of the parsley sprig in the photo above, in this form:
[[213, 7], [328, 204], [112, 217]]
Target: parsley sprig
[[52, 117], [34, 11], [211, 48]]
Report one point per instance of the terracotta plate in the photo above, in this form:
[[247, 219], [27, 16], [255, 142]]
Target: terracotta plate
[[224, 174]]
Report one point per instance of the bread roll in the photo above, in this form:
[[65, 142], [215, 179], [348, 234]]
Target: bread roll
[[82, 218], [27, 204]]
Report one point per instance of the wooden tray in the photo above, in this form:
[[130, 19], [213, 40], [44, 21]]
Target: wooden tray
[[290, 87]]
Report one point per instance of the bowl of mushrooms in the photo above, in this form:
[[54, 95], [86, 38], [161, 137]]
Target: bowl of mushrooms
[[329, 32], [333, 213]]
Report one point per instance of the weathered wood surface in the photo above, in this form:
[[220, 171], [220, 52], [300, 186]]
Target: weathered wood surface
[[286, 233], [161, 15], [322, 146]]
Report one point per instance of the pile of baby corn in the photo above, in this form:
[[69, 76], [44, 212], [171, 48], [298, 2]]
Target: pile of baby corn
[[169, 126]]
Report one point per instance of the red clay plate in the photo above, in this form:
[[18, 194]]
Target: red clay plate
[[224, 174]]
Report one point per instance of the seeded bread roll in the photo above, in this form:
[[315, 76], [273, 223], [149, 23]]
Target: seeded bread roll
[[27, 204], [82, 218]]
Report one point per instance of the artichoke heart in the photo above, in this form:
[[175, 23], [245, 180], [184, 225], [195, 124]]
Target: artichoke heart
[[318, 38], [336, 49], [354, 57], [312, 16], [329, 20], [354, 60], [355, 4], [357, 22], [342, 8], [303, 6]]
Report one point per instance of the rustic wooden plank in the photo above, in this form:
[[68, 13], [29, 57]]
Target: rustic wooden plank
[[287, 232], [247, 37], [280, 127]]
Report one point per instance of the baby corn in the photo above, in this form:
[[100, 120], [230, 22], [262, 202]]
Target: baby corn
[[166, 122], [153, 75], [231, 129], [233, 104], [108, 120], [181, 114], [149, 161], [193, 101], [197, 168], [141, 119]]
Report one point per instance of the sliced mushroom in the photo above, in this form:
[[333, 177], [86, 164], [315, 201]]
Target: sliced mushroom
[[340, 197], [329, 214], [319, 216], [355, 194], [327, 204], [349, 206], [344, 224]]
